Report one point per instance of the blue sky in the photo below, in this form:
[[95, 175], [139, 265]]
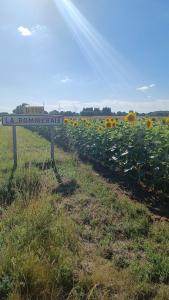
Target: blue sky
[[74, 53]]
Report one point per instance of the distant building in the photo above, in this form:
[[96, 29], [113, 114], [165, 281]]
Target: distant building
[[34, 110]]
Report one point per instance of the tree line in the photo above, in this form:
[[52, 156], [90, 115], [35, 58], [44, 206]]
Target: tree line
[[90, 111]]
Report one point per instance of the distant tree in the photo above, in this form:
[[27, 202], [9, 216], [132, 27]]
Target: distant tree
[[70, 113], [164, 113], [3, 114], [87, 111], [121, 113], [63, 113], [90, 111], [20, 109], [54, 112], [97, 112], [141, 114], [106, 111]]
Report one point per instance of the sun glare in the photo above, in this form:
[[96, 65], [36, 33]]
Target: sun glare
[[104, 58]]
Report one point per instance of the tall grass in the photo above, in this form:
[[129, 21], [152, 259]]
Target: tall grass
[[39, 246], [86, 241]]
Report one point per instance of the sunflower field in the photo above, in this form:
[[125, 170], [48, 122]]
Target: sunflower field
[[136, 148]]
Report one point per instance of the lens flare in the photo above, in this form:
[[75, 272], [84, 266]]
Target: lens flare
[[104, 58]]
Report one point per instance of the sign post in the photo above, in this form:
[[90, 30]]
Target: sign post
[[32, 120], [52, 144], [14, 146]]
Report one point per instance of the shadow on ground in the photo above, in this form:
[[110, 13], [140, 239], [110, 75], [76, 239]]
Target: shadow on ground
[[156, 202], [46, 165], [66, 188]]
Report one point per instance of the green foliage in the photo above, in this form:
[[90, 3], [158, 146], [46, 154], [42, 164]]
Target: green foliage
[[155, 268], [42, 253], [28, 183], [89, 243], [140, 153], [20, 109]]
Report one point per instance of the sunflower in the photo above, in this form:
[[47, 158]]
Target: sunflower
[[108, 119], [109, 124], [149, 123], [99, 129], [167, 121], [75, 124], [114, 124], [131, 117], [112, 119], [66, 121]]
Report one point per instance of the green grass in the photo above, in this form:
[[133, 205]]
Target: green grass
[[78, 239], [5, 154]]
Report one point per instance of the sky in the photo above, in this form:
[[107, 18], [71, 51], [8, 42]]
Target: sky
[[70, 54]]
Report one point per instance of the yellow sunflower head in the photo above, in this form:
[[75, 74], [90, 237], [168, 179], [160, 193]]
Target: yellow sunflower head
[[75, 124], [99, 129], [114, 124], [167, 121], [149, 123], [131, 117], [66, 121], [108, 124], [108, 119]]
